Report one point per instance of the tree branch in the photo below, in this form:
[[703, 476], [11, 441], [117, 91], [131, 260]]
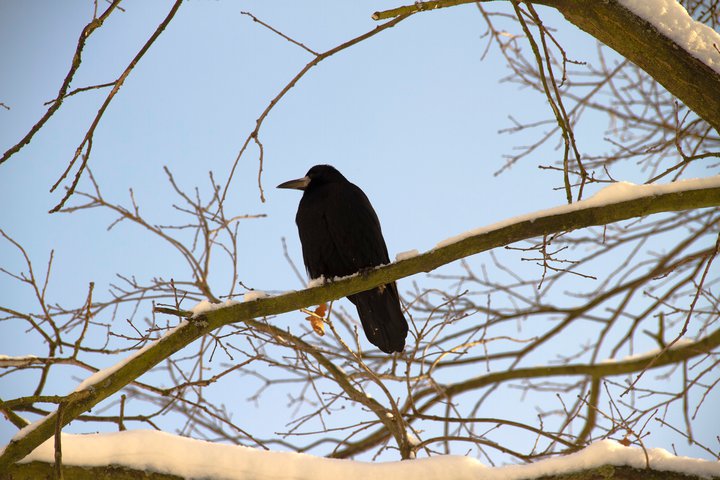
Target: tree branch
[[571, 217], [683, 75], [86, 144], [96, 23], [35, 470], [438, 393]]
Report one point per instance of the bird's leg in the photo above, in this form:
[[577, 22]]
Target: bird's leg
[[365, 271]]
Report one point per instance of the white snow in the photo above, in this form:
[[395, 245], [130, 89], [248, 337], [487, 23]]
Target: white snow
[[254, 295], [96, 378], [204, 306], [321, 280], [101, 375], [27, 429], [411, 437], [614, 193], [405, 255], [162, 452], [316, 282], [672, 20], [7, 361]]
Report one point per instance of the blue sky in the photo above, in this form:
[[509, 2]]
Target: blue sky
[[412, 116], [400, 115]]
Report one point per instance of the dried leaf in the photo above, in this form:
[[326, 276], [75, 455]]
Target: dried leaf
[[316, 319]]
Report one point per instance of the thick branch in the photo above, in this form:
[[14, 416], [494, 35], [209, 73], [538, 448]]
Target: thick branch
[[34, 470], [579, 215], [683, 75], [440, 393]]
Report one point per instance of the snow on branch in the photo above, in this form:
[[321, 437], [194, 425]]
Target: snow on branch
[[152, 451], [669, 17], [611, 205], [672, 20], [657, 35], [612, 194]]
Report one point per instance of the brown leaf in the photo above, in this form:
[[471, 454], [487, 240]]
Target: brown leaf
[[316, 320]]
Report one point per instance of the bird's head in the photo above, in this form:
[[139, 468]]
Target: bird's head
[[316, 176]]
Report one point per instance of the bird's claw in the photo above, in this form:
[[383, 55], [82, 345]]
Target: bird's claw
[[365, 271]]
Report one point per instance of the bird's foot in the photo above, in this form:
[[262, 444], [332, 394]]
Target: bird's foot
[[365, 271]]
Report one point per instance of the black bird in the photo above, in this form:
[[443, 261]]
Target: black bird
[[340, 235]]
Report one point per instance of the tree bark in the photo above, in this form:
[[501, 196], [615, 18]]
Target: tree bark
[[683, 75], [584, 216], [39, 470], [42, 471]]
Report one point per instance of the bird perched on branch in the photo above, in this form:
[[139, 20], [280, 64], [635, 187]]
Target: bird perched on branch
[[340, 235]]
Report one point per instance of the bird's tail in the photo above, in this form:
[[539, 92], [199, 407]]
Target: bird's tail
[[382, 317]]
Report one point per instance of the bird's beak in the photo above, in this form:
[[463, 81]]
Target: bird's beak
[[297, 184]]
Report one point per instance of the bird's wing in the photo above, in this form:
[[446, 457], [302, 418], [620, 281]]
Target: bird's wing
[[357, 235], [340, 232], [317, 245]]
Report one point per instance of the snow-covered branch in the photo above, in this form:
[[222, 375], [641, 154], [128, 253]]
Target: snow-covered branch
[[613, 204], [149, 452], [660, 37]]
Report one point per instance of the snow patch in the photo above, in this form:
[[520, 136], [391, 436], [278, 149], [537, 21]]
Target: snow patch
[[411, 438], [614, 193], [405, 255], [254, 295], [672, 20], [101, 375], [7, 361], [26, 430], [162, 452], [322, 280], [204, 306], [316, 282]]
